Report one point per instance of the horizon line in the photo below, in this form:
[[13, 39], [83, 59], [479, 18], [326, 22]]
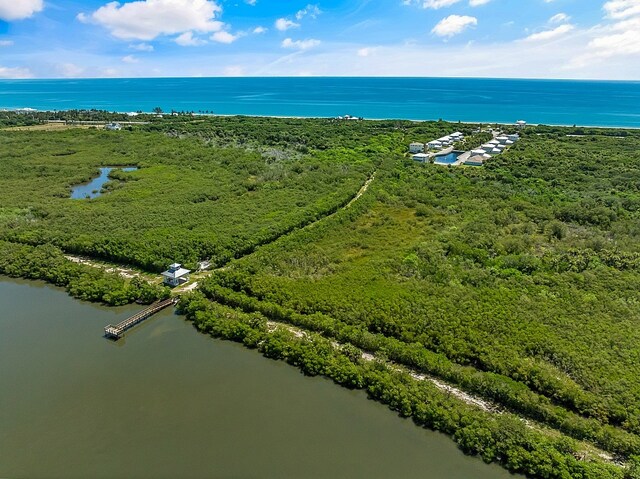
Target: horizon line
[[388, 77]]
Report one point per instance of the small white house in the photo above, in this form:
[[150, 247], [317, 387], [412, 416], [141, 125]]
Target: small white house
[[521, 123], [456, 134], [496, 151], [487, 147], [113, 127], [514, 137], [175, 275], [421, 157], [487, 156], [509, 143], [435, 145], [416, 147], [477, 151], [502, 139], [501, 147], [493, 142]]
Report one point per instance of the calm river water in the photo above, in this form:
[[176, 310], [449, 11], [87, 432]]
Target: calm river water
[[170, 402]]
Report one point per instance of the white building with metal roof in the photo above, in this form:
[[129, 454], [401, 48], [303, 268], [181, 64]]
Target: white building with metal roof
[[175, 275]]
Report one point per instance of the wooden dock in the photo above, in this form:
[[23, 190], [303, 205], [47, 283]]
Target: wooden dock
[[116, 332]]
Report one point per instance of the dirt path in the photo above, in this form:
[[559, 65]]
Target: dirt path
[[190, 286], [588, 452], [361, 191], [107, 267], [458, 393], [193, 284]]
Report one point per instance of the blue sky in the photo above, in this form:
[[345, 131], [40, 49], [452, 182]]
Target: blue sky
[[597, 39]]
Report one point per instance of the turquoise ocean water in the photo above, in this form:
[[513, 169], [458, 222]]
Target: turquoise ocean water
[[558, 102]]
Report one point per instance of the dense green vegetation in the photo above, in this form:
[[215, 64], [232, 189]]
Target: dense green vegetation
[[10, 118], [188, 201], [517, 282], [84, 282], [496, 438]]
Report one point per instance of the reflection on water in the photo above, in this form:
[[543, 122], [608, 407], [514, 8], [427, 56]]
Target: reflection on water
[[93, 189], [168, 402]]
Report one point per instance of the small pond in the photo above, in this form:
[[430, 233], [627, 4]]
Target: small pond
[[448, 159], [93, 189]]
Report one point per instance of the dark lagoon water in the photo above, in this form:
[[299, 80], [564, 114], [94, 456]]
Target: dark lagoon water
[[168, 402], [560, 102], [93, 189]]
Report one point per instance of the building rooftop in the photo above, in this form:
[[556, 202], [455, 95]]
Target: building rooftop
[[174, 274], [476, 159]]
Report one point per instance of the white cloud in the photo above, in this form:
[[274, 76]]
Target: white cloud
[[453, 25], [6, 43], [300, 44], [312, 10], [130, 59], [148, 19], [508, 59], [15, 72], [552, 34], [620, 9], [70, 70], [251, 2], [621, 39], [616, 41], [366, 51], [284, 24], [187, 39], [625, 43], [224, 37], [477, 3], [560, 18], [259, 30], [141, 47], [19, 9], [436, 4]]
